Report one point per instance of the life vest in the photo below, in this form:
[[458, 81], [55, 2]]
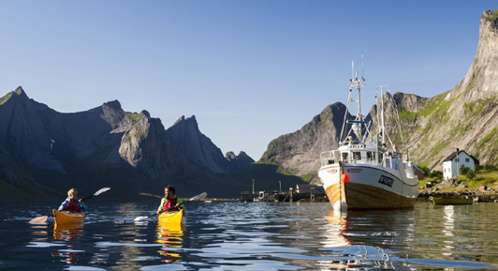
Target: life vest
[[170, 203], [73, 207]]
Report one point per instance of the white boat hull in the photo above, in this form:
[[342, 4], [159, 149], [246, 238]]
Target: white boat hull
[[367, 187]]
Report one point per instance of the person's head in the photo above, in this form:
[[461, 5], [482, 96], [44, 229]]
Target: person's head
[[72, 193], [169, 191]]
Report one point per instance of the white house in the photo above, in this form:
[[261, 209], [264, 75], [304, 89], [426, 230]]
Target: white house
[[452, 164]]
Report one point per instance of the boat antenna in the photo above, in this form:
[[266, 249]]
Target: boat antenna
[[362, 70], [358, 122]]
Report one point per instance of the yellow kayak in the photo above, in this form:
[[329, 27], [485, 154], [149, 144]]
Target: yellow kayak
[[68, 217], [174, 217]]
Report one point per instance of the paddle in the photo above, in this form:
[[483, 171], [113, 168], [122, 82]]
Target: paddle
[[150, 195], [42, 219], [198, 197]]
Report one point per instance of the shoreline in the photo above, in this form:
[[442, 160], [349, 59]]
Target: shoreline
[[478, 196]]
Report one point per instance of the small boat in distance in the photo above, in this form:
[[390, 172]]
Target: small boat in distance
[[451, 201], [363, 173]]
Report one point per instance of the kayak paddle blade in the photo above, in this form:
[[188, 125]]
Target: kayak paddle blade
[[199, 197], [140, 218], [39, 220], [102, 190]]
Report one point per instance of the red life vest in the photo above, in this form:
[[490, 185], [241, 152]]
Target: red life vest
[[170, 203], [73, 207]]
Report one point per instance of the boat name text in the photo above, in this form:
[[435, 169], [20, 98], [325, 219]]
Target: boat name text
[[386, 180]]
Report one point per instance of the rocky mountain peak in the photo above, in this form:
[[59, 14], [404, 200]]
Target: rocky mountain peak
[[20, 92], [192, 121], [114, 104], [480, 81], [18, 95]]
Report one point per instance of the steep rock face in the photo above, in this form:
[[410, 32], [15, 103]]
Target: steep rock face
[[23, 135], [146, 146], [299, 152], [200, 150], [32, 133], [465, 117]]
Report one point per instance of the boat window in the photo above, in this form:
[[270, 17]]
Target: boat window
[[345, 156], [370, 156], [357, 155]]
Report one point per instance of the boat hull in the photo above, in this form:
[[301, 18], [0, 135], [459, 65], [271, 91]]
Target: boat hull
[[67, 217], [451, 201], [175, 217], [367, 187]]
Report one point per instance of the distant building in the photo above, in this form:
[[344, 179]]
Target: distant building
[[452, 164]]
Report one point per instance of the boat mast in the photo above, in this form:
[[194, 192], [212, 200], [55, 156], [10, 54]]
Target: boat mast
[[357, 123]]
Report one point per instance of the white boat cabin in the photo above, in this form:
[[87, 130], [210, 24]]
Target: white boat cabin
[[452, 164]]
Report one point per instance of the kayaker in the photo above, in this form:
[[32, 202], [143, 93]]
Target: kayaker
[[170, 201], [72, 203]]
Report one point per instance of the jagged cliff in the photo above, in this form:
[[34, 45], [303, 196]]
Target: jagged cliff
[[201, 150], [103, 144], [298, 152], [465, 117]]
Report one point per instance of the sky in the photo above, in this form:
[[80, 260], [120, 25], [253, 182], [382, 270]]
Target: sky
[[249, 70]]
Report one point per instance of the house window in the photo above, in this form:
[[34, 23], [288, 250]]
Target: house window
[[457, 160], [467, 160]]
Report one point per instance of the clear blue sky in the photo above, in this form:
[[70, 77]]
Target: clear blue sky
[[249, 70]]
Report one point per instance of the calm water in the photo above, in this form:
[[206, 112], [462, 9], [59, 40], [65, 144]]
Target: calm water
[[253, 236]]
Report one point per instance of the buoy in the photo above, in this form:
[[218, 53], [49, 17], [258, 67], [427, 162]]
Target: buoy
[[344, 178]]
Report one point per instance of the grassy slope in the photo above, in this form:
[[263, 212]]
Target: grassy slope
[[487, 178]]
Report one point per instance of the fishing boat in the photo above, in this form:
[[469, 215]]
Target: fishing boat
[[172, 217], [68, 217], [451, 201], [362, 173]]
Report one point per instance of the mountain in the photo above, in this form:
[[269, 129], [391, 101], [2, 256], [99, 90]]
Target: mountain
[[465, 117], [200, 149], [106, 145], [299, 152]]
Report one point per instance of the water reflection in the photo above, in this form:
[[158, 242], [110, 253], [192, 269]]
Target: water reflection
[[364, 240], [171, 236], [68, 232], [261, 236], [335, 225]]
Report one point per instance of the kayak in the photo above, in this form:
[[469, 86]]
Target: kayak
[[174, 217], [68, 217]]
